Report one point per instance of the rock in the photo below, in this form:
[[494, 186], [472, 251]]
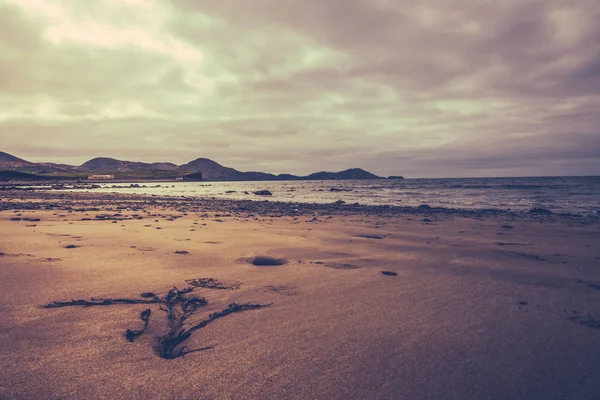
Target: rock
[[267, 261], [540, 211], [339, 202], [389, 273], [263, 193], [370, 236], [424, 207]]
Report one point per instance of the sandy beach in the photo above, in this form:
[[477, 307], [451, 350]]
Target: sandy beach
[[471, 306]]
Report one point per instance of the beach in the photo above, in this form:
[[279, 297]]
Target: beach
[[368, 302]]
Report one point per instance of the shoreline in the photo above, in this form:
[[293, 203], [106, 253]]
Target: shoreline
[[566, 197], [32, 200]]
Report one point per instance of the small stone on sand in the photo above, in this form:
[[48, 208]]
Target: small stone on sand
[[267, 261]]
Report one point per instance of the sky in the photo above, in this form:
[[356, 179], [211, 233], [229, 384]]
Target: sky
[[420, 88]]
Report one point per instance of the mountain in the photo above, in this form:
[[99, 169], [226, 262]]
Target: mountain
[[52, 167], [214, 171], [352, 173], [48, 168], [211, 170], [207, 169], [8, 161], [288, 177], [105, 164]]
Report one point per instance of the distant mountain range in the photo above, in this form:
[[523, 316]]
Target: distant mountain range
[[209, 169]]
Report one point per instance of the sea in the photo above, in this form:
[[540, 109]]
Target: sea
[[573, 195]]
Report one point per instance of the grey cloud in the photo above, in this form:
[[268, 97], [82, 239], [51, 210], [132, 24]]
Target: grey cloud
[[422, 88], [385, 40]]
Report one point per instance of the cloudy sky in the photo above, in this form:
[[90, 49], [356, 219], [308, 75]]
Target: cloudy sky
[[421, 88]]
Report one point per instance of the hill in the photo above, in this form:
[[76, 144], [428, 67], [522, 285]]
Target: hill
[[105, 164], [8, 161], [208, 169], [212, 170], [353, 173]]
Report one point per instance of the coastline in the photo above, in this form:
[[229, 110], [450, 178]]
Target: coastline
[[485, 303], [572, 195], [39, 199]]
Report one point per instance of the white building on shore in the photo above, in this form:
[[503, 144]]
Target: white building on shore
[[101, 177]]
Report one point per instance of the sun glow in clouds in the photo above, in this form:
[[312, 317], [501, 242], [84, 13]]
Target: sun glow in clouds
[[111, 24]]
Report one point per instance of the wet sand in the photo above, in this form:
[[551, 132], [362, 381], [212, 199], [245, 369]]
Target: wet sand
[[482, 306]]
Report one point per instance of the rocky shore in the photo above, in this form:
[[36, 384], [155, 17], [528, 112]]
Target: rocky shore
[[39, 200]]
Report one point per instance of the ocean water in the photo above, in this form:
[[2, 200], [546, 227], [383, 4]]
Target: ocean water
[[576, 195]]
